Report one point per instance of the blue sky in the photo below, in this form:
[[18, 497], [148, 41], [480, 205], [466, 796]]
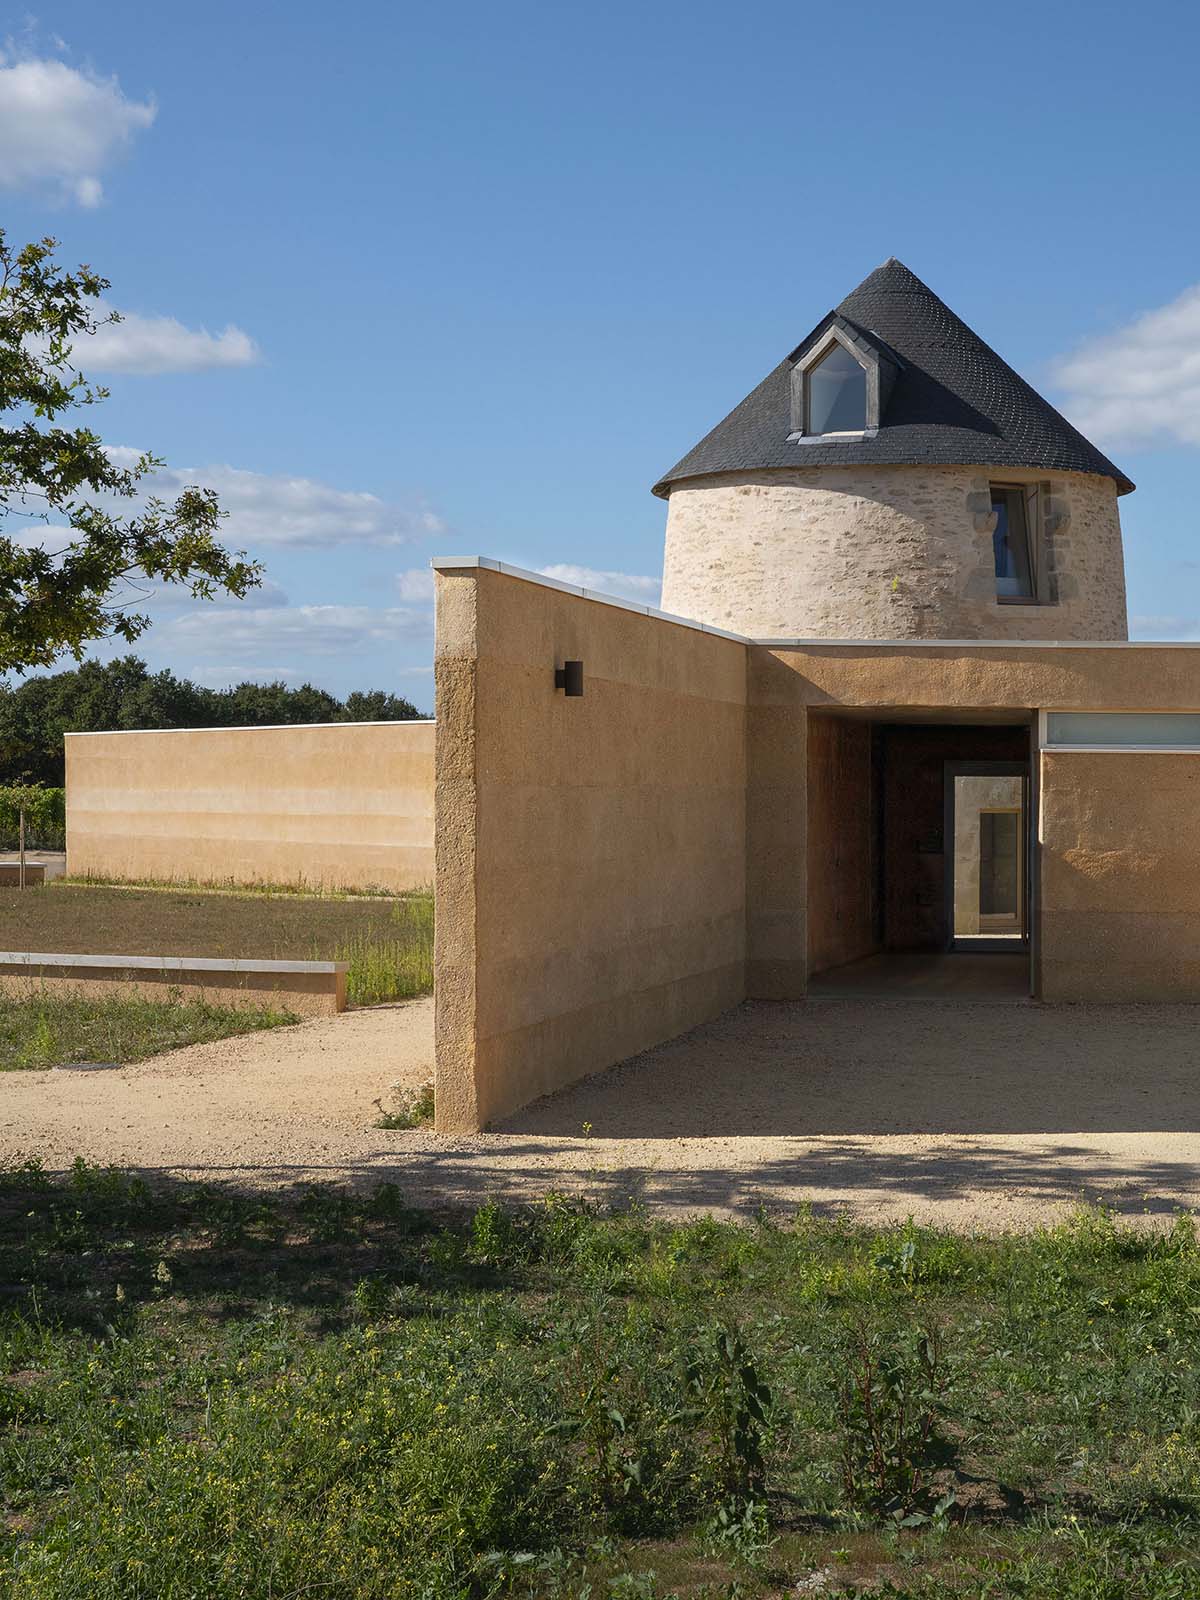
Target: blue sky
[[405, 281]]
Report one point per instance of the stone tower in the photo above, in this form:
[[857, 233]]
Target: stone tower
[[893, 478]]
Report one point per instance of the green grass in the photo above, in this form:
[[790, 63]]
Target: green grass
[[387, 942], [394, 962], [46, 1031], [207, 1394], [296, 887]]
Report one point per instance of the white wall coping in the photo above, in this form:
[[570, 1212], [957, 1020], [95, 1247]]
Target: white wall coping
[[257, 727], [29, 958], [467, 563]]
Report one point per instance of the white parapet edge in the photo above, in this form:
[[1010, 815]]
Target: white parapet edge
[[258, 727], [181, 964], [468, 563]]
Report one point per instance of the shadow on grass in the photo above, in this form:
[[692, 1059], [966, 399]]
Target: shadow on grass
[[87, 1247], [829, 1177], [87, 1250]]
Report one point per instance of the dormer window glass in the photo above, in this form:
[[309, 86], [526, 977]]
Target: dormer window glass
[[840, 386], [837, 394]]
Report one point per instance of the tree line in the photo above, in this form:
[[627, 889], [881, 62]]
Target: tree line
[[94, 697]]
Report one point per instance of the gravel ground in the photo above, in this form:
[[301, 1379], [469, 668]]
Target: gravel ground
[[968, 1115]]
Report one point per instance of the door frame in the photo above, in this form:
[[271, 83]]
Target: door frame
[[985, 769]]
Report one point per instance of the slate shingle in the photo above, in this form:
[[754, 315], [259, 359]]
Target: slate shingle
[[954, 403]]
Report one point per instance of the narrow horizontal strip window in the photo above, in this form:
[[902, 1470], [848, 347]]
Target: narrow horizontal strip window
[[1119, 730]]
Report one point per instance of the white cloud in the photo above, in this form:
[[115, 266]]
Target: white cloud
[[1141, 383], [1163, 627], [141, 594], [243, 635], [415, 585], [269, 510], [144, 595], [61, 126], [220, 674], [625, 585], [219, 677], [141, 344], [32, 533]]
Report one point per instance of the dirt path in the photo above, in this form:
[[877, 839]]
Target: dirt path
[[969, 1115], [287, 1102]]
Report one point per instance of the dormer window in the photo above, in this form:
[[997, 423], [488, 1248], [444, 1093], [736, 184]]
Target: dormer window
[[837, 393], [840, 385]]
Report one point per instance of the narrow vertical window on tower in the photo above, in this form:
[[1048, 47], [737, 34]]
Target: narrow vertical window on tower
[[836, 394], [1015, 577]]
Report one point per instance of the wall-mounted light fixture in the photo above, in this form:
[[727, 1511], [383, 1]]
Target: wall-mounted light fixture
[[569, 678]]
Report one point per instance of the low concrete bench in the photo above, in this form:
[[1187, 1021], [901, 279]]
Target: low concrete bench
[[10, 874], [309, 988]]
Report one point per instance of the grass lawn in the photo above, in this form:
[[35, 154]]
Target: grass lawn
[[222, 1396], [47, 1032], [388, 942]]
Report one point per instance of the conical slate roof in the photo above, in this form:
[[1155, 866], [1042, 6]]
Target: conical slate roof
[[954, 401]]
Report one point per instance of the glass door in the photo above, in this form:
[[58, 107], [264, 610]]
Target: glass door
[[986, 856]]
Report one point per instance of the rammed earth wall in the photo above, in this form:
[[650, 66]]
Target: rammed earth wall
[[343, 805], [1120, 876], [615, 869], [591, 852]]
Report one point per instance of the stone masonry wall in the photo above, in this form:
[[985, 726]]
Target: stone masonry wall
[[886, 553]]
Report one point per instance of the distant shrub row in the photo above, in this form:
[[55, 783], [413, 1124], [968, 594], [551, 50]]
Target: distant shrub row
[[45, 816], [97, 696]]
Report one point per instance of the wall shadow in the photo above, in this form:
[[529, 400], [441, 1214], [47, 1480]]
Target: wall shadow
[[875, 1068]]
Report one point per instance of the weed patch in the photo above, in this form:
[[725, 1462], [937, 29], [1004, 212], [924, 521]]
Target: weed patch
[[46, 1031], [392, 960], [210, 1392], [406, 1107]]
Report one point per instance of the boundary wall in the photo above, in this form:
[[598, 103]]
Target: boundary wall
[[591, 860], [339, 805]]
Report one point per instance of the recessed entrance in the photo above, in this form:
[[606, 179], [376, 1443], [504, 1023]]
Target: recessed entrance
[[986, 856], [919, 875]]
